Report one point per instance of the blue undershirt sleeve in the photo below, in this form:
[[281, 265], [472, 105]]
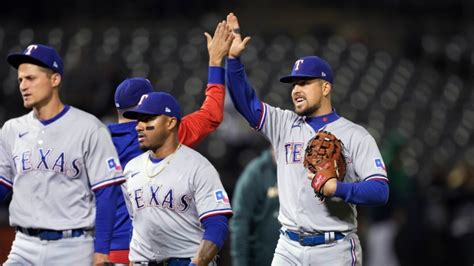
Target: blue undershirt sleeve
[[106, 204], [216, 75], [215, 229], [368, 193], [242, 94], [4, 192]]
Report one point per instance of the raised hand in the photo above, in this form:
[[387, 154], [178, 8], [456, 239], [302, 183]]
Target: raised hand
[[238, 45], [218, 46]]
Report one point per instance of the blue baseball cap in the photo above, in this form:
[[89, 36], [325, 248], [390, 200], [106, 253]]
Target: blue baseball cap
[[40, 55], [155, 103], [130, 91], [309, 67]]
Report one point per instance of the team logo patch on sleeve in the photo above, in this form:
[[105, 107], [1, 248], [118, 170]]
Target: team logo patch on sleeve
[[113, 165], [221, 196], [379, 164]]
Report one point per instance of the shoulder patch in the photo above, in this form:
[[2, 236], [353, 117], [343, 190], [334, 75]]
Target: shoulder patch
[[221, 196], [379, 164], [113, 165]]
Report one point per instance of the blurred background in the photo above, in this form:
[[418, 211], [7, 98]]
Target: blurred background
[[403, 69]]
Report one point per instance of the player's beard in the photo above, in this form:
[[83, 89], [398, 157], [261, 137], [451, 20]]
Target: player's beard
[[309, 111], [149, 147]]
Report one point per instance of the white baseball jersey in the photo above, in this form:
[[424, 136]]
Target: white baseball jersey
[[300, 210], [167, 200], [57, 164]]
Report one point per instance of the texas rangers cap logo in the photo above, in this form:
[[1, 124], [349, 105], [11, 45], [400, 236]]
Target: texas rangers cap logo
[[30, 48], [142, 99], [297, 64]]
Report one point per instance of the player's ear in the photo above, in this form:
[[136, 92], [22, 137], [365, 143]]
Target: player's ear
[[172, 123], [327, 87], [55, 79]]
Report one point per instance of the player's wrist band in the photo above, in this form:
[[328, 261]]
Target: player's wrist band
[[236, 30]]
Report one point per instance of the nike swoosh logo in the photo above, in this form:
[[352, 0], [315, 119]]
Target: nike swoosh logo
[[20, 135], [134, 174]]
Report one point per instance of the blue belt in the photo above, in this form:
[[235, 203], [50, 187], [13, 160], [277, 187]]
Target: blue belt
[[313, 240], [169, 262], [45, 234]]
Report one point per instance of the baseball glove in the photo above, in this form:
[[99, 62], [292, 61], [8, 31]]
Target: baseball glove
[[324, 158]]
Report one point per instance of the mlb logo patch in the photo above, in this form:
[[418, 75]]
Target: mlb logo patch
[[113, 165], [379, 164], [221, 196]]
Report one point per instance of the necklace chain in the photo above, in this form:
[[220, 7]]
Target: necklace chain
[[162, 165]]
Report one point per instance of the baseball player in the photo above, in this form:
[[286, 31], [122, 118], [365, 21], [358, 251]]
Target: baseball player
[[66, 172], [313, 232], [177, 201], [192, 129]]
